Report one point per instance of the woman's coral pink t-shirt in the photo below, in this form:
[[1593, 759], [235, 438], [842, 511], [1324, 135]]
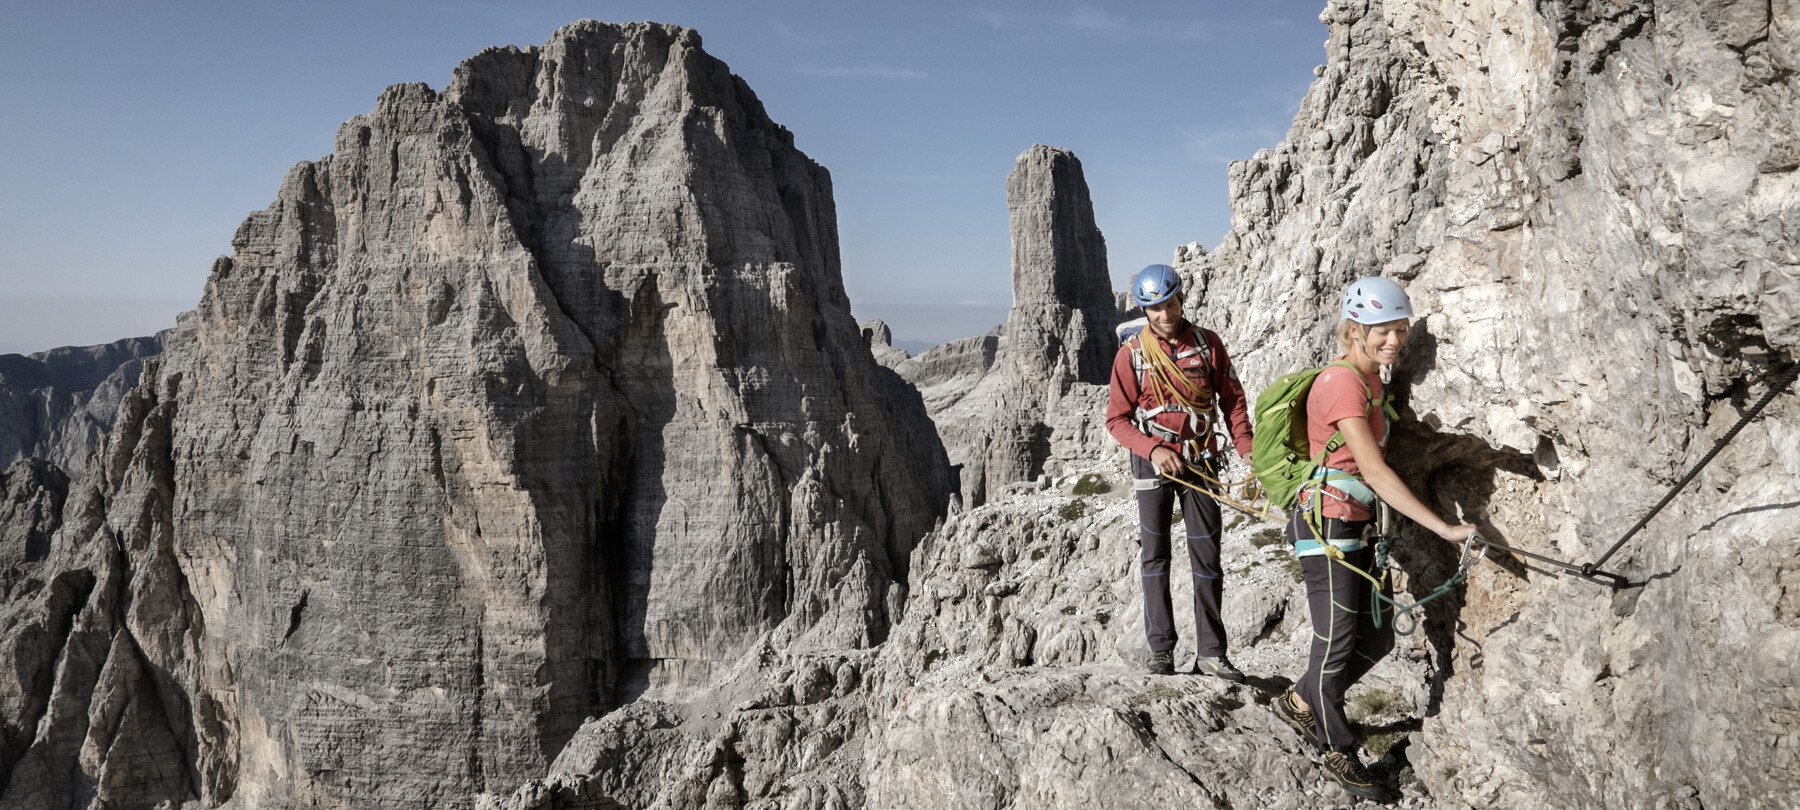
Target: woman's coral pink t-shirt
[[1338, 394]]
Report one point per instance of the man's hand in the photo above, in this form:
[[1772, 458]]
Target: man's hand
[[1166, 461]]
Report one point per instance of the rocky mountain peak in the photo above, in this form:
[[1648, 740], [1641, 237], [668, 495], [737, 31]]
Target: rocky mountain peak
[[1063, 306], [463, 486], [537, 396], [992, 397]]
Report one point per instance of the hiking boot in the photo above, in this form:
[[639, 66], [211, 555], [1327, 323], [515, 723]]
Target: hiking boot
[[1161, 663], [1349, 772], [1290, 713], [1219, 668]]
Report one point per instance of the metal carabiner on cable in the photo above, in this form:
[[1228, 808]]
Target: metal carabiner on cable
[[1466, 562]]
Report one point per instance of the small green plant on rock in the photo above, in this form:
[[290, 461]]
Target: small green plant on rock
[[1102, 617], [1266, 538], [932, 657], [1293, 566], [1378, 745], [1073, 510], [1069, 610], [1092, 484], [1038, 553], [1369, 703]]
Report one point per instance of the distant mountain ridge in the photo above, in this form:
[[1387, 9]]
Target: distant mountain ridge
[[56, 404]]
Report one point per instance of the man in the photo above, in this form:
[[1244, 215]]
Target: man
[[1166, 380]]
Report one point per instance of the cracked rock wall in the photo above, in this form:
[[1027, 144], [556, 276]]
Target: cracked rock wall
[[1594, 207]]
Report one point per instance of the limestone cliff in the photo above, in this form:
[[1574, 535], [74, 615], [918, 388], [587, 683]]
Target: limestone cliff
[[1594, 207], [537, 395], [465, 444]]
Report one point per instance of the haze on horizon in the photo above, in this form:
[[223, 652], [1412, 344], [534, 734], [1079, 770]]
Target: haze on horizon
[[144, 135]]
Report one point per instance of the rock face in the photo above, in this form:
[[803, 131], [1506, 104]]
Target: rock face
[[539, 395], [1594, 207], [453, 454], [32, 492], [990, 396], [56, 405]]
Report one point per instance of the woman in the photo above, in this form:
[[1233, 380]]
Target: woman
[[1347, 412]]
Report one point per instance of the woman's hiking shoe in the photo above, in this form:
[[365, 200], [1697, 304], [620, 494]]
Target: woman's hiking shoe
[[1161, 663], [1219, 667], [1349, 772], [1291, 714]]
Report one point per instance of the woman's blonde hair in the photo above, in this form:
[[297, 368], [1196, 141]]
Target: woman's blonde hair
[[1347, 333]]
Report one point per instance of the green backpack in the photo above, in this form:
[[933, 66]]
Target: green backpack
[[1279, 452]]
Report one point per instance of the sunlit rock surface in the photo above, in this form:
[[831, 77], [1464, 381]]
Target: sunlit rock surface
[[1594, 208], [498, 545]]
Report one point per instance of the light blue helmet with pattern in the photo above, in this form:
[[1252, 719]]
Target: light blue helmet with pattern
[[1154, 285], [1374, 300]]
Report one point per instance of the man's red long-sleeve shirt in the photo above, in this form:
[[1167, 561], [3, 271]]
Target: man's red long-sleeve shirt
[[1213, 366]]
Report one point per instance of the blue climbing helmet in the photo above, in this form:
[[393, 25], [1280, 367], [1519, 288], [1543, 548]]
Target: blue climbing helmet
[[1154, 285], [1374, 300]]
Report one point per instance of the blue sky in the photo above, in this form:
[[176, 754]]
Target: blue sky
[[139, 134]]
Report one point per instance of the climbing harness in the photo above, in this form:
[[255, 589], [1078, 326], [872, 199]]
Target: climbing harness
[[1161, 378], [1470, 557], [1251, 491], [1474, 550]]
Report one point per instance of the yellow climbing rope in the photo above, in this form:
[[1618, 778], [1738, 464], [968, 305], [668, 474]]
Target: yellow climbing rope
[[1164, 376], [1251, 491]]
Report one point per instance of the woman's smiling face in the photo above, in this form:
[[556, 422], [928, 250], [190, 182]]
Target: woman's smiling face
[[1383, 341]]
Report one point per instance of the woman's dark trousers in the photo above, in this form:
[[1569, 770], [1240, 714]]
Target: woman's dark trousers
[[1346, 643]]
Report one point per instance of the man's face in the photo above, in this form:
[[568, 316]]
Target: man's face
[[1164, 317]]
